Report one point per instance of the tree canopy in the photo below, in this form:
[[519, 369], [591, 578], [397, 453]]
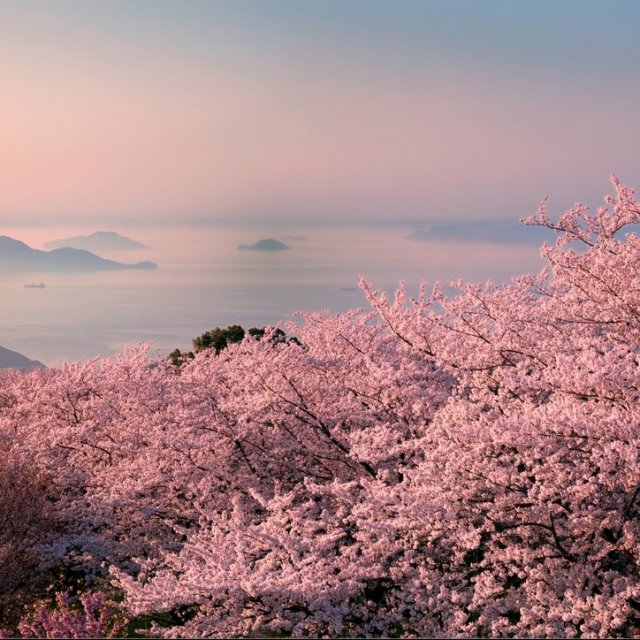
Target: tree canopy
[[462, 465]]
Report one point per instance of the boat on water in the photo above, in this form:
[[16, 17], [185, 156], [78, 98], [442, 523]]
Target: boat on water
[[33, 285]]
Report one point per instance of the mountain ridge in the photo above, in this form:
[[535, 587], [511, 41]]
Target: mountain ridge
[[97, 241], [13, 360], [16, 256]]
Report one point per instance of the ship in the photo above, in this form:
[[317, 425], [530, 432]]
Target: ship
[[35, 286]]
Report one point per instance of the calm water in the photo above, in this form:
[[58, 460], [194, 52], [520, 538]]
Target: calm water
[[204, 281]]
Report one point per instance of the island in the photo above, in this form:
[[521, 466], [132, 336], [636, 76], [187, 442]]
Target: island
[[17, 257], [14, 360], [98, 241], [487, 232], [268, 245]]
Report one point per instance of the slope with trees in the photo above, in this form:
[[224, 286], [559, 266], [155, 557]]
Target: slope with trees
[[444, 466]]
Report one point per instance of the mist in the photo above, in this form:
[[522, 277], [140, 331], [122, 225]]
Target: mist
[[204, 281], [399, 141]]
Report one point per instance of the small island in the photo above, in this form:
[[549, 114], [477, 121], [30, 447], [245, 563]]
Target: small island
[[268, 245]]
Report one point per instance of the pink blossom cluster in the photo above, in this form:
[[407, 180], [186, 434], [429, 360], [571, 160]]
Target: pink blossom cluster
[[444, 466], [92, 618]]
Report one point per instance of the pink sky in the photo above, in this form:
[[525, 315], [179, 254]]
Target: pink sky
[[100, 122]]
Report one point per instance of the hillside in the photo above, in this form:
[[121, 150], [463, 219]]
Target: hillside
[[14, 360], [443, 466]]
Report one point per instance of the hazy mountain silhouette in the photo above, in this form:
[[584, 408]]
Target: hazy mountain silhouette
[[98, 241], [268, 244], [14, 360], [488, 232], [16, 256]]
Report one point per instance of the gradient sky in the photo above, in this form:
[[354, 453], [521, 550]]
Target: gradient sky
[[170, 111]]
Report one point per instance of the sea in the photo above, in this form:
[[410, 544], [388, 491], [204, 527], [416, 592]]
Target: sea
[[204, 281]]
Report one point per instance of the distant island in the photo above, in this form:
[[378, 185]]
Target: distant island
[[14, 360], [98, 241], [268, 244], [487, 232], [17, 257]]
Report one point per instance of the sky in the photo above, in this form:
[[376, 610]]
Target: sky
[[165, 112]]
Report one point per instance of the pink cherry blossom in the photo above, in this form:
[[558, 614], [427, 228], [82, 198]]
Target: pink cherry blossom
[[445, 466]]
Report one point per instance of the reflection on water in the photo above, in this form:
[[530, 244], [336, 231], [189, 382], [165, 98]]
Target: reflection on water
[[203, 282]]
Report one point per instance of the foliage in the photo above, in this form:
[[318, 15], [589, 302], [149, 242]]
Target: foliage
[[442, 466], [177, 358], [219, 339]]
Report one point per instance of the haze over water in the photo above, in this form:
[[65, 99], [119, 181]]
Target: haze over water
[[203, 281]]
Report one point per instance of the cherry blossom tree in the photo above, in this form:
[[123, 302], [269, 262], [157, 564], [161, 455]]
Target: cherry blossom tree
[[91, 617], [25, 522], [438, 466]]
